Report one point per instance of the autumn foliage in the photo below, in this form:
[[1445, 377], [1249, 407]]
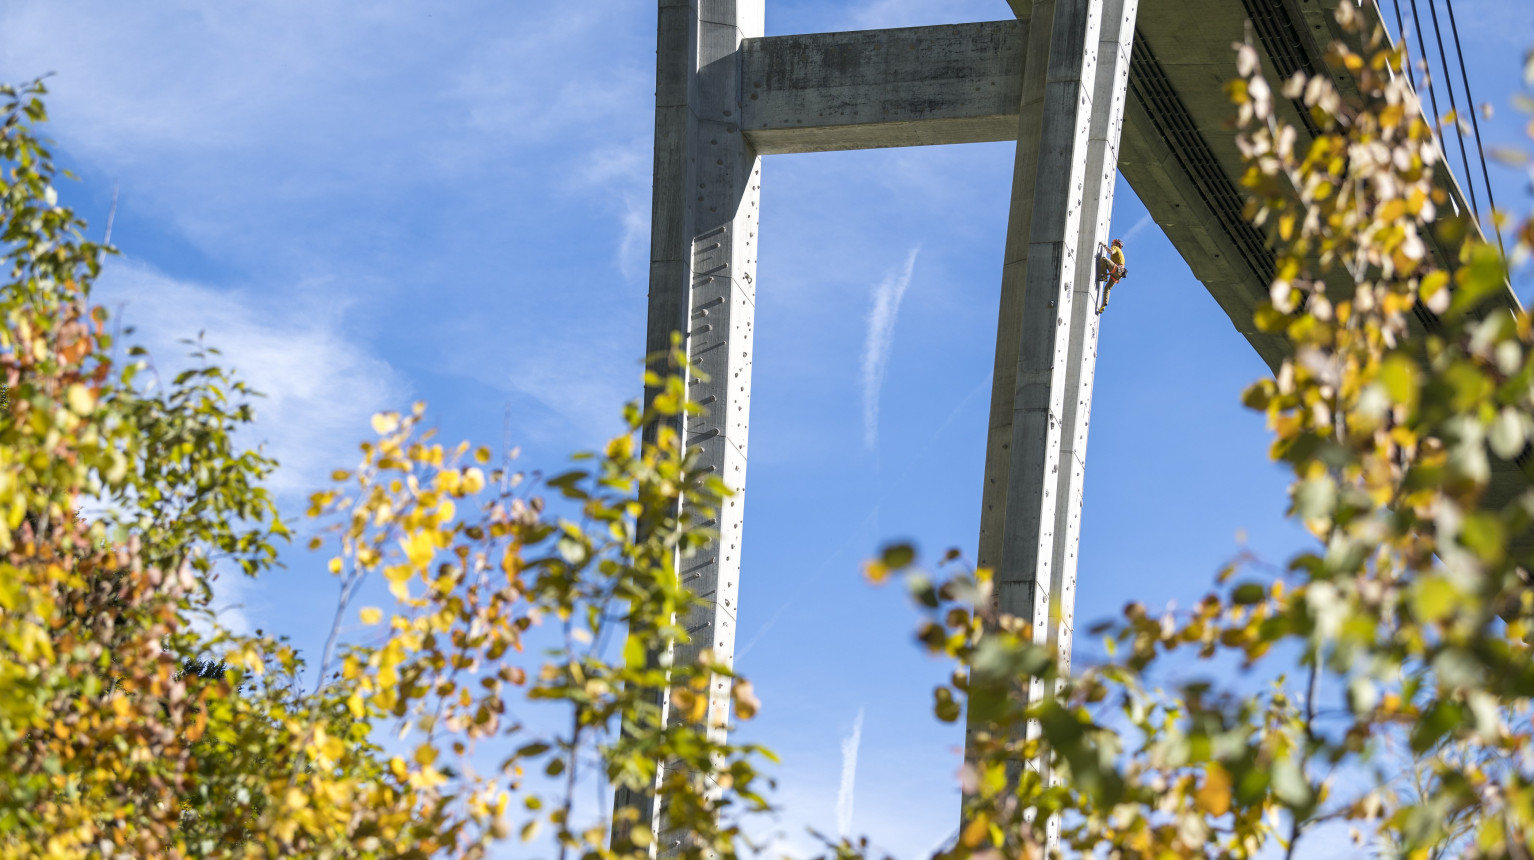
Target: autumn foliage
[[1398, 647], [131, 725]]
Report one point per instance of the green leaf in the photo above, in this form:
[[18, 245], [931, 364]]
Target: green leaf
[[634, 653], [532, 750], [1433, 598], [1483, 534], [1440, 719], [1482, 277], [1289, 784], [1399, 375], [1315, 498], [1248, 593], [1507, 435], [897, 556]]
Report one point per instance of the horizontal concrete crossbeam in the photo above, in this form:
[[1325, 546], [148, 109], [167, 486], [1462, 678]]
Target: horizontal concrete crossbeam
[[868, 89]]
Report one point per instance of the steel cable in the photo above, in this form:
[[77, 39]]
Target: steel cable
[[1459, 130], [1401, 38], [1427, 75], [1475, 124]]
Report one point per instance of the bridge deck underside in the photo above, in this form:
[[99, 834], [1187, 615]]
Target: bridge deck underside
[[1178, 149], [1191, 43]]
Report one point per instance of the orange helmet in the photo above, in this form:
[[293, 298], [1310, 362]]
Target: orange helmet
[[1118, 242]]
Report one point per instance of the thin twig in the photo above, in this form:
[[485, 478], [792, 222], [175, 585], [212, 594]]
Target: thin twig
[[1296, 826], [575, 748]]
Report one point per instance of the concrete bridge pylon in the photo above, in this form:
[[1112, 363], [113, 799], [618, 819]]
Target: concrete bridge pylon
[[1056, 81]]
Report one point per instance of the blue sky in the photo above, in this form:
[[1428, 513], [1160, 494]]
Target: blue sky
[[368, 204]]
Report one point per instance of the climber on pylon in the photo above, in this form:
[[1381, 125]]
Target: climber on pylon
[[1110, 269]]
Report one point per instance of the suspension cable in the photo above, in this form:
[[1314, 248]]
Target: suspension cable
[[1459, 129], [1475, 124], [1401, 40], [1427, 73]]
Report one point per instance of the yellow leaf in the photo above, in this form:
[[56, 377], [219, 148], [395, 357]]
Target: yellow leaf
[[1432, 282], [371, 615], [335, 565], [746, 702], [975, 832], [398, 576], [473, 481], [1399, 375], [634, 654], [81, 401], [419, 548], [1434, 598], [1214, 795], [385, 423], [876, 571]]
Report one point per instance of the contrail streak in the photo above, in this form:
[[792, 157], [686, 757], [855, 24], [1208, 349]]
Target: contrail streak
[[881, 334], [849, 773], [1145, 221]]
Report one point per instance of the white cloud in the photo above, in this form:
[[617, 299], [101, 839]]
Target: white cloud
[[619, 177], [371, 143], [231, 590], [320, 387], [233, 121], [844, 795], [515, 85], [140, 81], [881, 334], [634, 245], [625, 164], [583, 389]]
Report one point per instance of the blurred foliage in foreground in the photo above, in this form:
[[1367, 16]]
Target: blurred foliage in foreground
[[1401, 641], [132, 726]]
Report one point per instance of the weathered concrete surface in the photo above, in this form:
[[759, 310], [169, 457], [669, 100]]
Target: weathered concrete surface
[[1109, 91], [880, 88], [702, 284], [1018, 536], [1109, 95], [1178, 151]]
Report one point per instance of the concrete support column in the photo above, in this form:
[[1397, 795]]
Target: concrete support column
[[1017, 526], [1074, 85], [1109, 93], [702, 283]]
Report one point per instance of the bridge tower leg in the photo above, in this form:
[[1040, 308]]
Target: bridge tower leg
[[1074, 85], [702, 283]]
